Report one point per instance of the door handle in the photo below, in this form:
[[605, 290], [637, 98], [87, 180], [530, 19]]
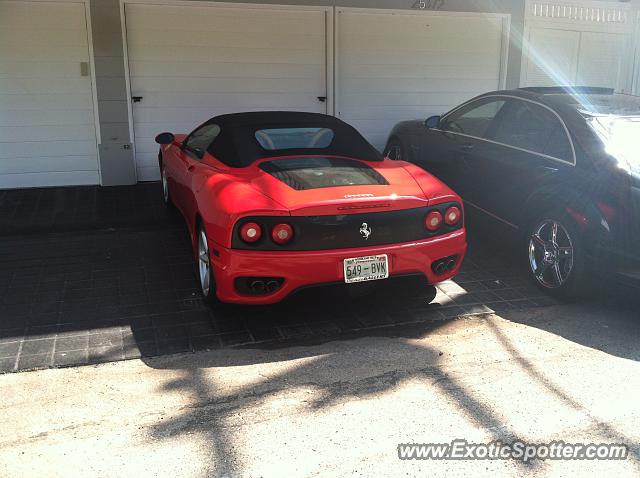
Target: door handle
[[191, 168], [322, 99], [547, 169], [136, 99]]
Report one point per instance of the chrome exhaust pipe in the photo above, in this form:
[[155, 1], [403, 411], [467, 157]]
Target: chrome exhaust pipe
[[272, 286], [451, 264], [257, 287], [440, 268]]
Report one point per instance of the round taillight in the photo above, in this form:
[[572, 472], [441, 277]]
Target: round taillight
[[282, 233], [251, 232], [433, 221], [452, 216]]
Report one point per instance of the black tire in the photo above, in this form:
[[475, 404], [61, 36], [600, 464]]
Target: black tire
[[396, 150], [204, 269], [560, 269]]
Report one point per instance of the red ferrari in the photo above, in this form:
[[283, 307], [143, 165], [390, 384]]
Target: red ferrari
[[278, 201]]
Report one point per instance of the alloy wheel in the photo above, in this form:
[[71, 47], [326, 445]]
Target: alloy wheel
[[204, 263], [165, 185], [551, 254]]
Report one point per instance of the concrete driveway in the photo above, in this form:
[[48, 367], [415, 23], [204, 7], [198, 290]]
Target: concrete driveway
[[91, 275], [340, 408]]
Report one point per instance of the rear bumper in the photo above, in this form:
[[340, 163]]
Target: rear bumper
[[308, 268]]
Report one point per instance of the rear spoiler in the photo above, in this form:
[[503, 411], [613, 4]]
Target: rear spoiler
[[571, 90]]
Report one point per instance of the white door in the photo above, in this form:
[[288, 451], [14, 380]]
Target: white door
[[398, 65], [566, 57], [190, 63], [47, 133], [585, 44], [554, 57]]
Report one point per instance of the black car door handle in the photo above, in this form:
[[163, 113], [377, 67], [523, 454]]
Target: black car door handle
[[191, 168]]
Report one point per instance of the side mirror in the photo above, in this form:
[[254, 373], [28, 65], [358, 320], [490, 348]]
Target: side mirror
[[432, 122], [165, 138]]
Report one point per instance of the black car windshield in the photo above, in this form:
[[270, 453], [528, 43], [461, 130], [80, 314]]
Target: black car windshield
[[318, 172], [294, 138], [620, 135]]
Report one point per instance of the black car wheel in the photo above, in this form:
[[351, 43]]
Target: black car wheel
[[555, 256], [395, 150]]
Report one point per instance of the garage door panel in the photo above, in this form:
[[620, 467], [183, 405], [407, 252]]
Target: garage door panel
[[47, 134], [177, 68], [35, 100], [403, 100], [255, 20], [231, 85], [27, 69], [42, 15], [48, 179], [43, 164], [44, 52], [412, 86], [45, 117], [394, 66], [53, 149], [44, 132], [51, 85], [447, 68], [192, 63], [185, 119], [18, 37], [391, 113], [463, 45], [231, 54], [228, 100], [159, 37]]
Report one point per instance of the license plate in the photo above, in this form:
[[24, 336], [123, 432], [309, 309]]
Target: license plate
[[360, 269]]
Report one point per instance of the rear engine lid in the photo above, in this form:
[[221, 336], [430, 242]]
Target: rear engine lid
[[329, 185], [303, 174]]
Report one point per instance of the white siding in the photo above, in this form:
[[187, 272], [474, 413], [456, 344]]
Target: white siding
[[590, 44], [190, 63], [393, 66], [47, 134]]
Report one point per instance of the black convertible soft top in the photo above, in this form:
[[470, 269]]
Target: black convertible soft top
[[236, 144]]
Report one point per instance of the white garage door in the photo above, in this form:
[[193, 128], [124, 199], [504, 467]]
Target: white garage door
[[587, 45], [47, 134], [189, 63], [566, 57], [393, 66]]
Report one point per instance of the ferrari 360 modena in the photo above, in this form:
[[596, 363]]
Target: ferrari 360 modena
[[278, 201]]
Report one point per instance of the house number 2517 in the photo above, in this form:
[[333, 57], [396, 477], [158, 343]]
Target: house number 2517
[[428, 4]]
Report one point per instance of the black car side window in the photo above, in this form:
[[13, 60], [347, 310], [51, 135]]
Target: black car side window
[[198, 141], [535, 128], [475, 118]]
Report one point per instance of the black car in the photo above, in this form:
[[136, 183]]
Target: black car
[[559, 166]]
